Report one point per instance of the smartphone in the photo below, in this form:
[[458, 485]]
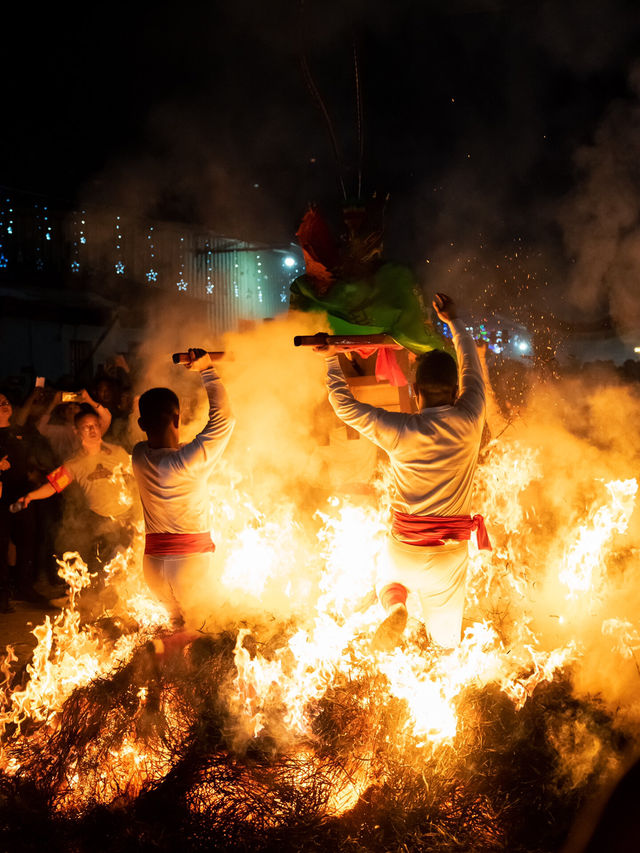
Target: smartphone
[[39, 382], [71, 397]]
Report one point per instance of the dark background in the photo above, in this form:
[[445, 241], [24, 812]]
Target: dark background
[[506, 133]]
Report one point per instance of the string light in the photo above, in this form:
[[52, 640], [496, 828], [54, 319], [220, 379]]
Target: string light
[[259, 278], [82, 257], [40, 220], [119, 265], [209, 267], [151, 274], [6, 225], [235, 280], [181, 284], [80, 240]]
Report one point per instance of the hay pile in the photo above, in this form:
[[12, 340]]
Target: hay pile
[[202, 782]]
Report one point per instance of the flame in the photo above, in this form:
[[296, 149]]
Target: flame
[[318, 578], [580, 566], [68, 655]]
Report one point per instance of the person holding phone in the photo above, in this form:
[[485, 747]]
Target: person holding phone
[[57, 421]]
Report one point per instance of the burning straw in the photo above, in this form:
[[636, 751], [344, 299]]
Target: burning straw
[[155, 758]]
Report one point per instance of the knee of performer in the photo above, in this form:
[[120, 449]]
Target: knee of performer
[[392, 594]]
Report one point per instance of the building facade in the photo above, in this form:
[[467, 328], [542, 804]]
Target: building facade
[[78, 284]]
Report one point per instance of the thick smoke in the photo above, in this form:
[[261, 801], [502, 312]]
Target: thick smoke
[[601, 218], [573, 437]]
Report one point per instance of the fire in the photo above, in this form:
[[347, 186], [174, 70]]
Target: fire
[[581, 565], [318, 577]]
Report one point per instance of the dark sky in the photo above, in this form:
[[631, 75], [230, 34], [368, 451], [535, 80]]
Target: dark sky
[[487, 122]]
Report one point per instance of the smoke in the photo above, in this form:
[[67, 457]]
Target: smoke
[[601, 218], [574, 557], [496, 176], [184, 170]]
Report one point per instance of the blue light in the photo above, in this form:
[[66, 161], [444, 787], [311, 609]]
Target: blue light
[[152, 275], [75, 266], [289, 261], [120, 268], [4, 261]]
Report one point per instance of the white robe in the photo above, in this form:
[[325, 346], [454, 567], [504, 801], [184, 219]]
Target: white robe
[[433, 456], [173, 485]]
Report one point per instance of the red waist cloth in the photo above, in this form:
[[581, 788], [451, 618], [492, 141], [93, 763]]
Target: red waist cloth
[[164, 544], [387, 367], [434, 529]]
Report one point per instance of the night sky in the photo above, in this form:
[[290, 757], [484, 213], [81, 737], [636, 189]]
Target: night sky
[[506, 133]]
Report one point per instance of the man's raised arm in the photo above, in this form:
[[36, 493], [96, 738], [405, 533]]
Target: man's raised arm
[[209, 444], [471, 392], [378, 425]]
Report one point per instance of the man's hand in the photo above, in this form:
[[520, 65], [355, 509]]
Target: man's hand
[[326, 350], [445, 308], [199, 359], [5, 464]]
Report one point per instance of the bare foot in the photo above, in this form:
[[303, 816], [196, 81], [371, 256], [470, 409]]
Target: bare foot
[[389, 632]]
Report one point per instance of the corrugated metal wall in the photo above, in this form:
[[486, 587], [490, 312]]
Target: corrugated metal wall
[[237, 281], [97, 250]]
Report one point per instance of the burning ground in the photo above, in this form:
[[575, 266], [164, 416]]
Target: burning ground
[[278, 727]]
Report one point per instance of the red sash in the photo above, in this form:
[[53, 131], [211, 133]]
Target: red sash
[[434, 529], [164, 544]]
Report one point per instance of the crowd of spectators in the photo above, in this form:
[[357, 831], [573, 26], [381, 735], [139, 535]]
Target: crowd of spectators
[[38, 433]]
